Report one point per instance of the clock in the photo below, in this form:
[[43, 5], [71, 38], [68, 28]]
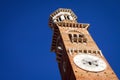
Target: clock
[[89, 62]]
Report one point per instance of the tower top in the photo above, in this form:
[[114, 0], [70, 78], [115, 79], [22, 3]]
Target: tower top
[[64, 15], [63, 11]]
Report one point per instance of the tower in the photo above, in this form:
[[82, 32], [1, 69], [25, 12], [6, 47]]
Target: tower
[[78, 56]]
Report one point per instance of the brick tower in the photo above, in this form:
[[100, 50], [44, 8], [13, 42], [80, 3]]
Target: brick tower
[[78, 56]]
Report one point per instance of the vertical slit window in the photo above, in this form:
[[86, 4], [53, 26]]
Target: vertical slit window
[[85, 51], [84, 40], [68, 18], [65, 17], [70, 37], [57, 20], [75, 38], [60, 19]]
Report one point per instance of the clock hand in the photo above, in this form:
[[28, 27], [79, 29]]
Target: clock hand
[[95, 62], [90, 63], [84, 61]]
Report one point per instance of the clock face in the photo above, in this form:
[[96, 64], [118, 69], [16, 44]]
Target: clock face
[[89, 62]]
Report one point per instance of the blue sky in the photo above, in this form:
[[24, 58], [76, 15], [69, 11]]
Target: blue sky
[[26, 37]]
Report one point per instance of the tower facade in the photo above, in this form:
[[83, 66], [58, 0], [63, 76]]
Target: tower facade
[[77, 54]]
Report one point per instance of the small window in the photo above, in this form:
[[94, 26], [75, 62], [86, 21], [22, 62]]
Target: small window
[[80, 51], [57, 20], [85, 51], [79, 40], [68, 18], [81, 35], [75, 37], [70, 36], [98, 52], [65, 17], [89, 51], [94, 52], [75, 50], [84, 40], [60, 19]]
